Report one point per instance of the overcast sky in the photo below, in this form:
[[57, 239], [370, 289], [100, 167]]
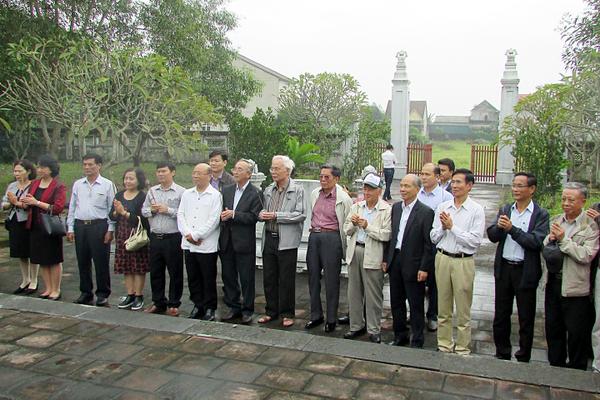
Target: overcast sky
[[455, 48]]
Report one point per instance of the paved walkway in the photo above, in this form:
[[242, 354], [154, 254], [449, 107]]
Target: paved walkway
[[66, 351]]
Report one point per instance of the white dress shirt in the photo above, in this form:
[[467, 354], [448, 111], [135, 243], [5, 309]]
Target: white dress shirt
[[406, 210], [468, 225], [199, 215], [91, 201], [512, 250], [239, 191], [369, 215], [389, 159]]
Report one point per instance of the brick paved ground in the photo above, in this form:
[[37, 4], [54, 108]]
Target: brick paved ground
[[54, 357]]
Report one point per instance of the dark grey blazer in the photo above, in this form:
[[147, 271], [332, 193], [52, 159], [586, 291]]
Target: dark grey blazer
[[241, 230]]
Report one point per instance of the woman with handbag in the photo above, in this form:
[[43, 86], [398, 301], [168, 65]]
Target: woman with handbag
[[18, 235], [131, 252], [46, 199]]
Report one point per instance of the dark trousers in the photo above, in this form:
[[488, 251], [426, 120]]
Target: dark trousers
[[166, 252], [507, 288], [400, 291], [568, 330], [432, 307], [388, 174], [202, 279], [279, 279], [233, 266], [89, 246], [324, 254]]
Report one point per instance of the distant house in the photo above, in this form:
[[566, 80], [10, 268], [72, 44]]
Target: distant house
[[484, 118], [418, 118]]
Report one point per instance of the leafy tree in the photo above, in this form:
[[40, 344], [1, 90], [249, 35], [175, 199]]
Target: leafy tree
[[258, 138], [303, 154], [537, 131], [322, 108], [581, 35]]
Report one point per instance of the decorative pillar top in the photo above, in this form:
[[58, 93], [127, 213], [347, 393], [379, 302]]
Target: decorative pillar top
[[400, 73], [510, 67]]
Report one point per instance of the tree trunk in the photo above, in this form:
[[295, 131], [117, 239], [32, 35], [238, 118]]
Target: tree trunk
[[137, 154]]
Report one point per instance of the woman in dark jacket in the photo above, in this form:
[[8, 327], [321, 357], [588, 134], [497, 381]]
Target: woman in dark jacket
[[126, 209], [46, 195], [18, 235]]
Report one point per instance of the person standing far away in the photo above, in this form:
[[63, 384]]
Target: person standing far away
[[432, 195], [447, 167], [389, 163], [219, 177], [457, 232], [326, 245], [519, 229], [92, 230], [567, 303], [198, 222], [160, 207], [237, 242], [284, 212]]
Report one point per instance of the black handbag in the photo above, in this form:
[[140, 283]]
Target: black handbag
[[553, 256], [53, 225]]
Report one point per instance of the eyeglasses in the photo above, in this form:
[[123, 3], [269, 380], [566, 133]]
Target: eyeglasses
[[326, 177], [515, 186]]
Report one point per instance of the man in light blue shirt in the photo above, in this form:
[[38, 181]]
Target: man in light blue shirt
[[92, 230], [432, 195]]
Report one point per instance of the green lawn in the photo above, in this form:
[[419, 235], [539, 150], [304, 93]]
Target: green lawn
[[457, 150], [71, 171]]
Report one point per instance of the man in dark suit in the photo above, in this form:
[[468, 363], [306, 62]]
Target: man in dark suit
[[237, 242], [519, 230], [408, 260]]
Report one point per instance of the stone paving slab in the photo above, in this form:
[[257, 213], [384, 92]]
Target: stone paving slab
[[157, 363]]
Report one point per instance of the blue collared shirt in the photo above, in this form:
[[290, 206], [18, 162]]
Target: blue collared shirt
[[434, 198], [91, 201], [512, 250]]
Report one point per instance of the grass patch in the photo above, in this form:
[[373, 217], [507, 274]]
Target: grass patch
[[457, 150]]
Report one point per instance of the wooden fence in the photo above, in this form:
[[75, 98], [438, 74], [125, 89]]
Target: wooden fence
[[484, 159], [418, 154]]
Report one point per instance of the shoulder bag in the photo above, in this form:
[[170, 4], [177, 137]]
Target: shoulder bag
[[138, 238], [52, 224]]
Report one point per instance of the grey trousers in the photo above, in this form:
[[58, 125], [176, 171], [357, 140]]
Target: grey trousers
[[324, 253], [365, 293]]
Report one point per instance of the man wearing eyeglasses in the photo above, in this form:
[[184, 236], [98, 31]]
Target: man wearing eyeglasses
[[519, 230], [326, 245], [237, 242]]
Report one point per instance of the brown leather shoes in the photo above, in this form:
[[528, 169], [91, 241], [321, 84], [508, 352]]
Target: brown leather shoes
[[153, 309], [173, 311]]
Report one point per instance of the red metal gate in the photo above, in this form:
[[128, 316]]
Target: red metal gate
[[418, 154], [484, 159]]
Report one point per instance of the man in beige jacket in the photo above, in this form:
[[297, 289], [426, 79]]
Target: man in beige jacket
[[368, 227], [567, 303]]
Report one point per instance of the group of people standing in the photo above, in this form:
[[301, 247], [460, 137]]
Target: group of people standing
[[425, 242]]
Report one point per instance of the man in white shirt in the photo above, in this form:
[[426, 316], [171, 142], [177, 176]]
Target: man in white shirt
[[457, 232], [432, 195], [389, 162], [198, 220]]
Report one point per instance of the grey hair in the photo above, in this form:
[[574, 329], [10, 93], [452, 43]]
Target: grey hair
[[288, 163], [580, 187], [249, 164], [416, 180]]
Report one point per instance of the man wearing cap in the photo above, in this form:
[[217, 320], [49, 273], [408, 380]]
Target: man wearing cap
[[567, 303], [519, 230], [326, 245], [432, 195], [457, 232], [408, 261], [368, 227]]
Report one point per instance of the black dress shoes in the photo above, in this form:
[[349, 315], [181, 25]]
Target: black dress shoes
[[313, 323], [355, 334], [229, 315], [521, 356], [21, 290], [196, 313], [101, 302], [400, 341], [329, 327], [500, 356], [344, 320], [375, 337], [209, 315], [84, 299], [246, 318]]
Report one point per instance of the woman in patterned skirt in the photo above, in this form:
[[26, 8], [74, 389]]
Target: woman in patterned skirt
[[126, 209]]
